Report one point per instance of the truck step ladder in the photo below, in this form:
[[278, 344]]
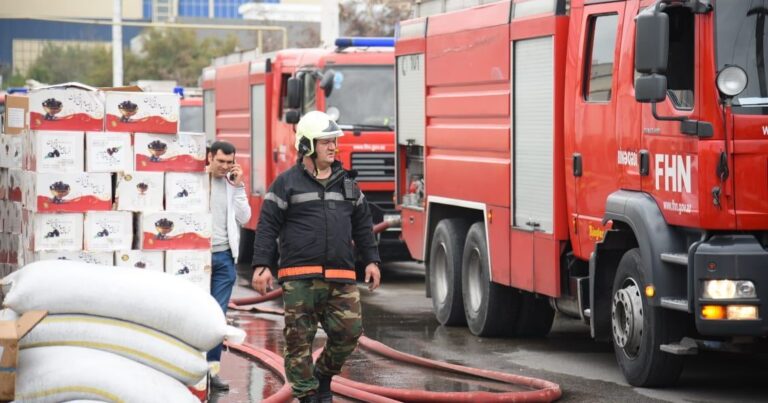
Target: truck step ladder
[[686, 346], [675, 303], [676, 258]]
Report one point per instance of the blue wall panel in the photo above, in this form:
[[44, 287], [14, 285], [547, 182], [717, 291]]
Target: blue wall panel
[[11, 29]]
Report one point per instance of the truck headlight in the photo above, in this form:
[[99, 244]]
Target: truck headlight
[[728, 289], [742, 312], [731, 81]]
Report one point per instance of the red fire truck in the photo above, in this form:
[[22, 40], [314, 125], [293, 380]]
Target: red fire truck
[[605, 159], [255, 102]]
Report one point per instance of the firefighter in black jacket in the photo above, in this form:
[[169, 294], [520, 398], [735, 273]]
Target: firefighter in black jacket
[[320, 216]]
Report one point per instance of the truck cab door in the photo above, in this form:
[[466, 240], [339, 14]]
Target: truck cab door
[[672, 155], [283, 150], [595, 137]]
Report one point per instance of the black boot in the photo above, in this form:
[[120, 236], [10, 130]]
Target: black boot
[[324, 394], [308, 399], [217, 385]]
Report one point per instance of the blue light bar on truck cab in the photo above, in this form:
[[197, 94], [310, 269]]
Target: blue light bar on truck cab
[[370, 42]]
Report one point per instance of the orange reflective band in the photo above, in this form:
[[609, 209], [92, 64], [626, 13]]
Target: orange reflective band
[[299, 271], [340, 273]]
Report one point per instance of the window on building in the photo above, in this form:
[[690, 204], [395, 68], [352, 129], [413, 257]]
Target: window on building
[[193, 8], [147, 9], [602, 47], [228, 8]]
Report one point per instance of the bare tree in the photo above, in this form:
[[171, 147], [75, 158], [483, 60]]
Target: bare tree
[[372, 17]]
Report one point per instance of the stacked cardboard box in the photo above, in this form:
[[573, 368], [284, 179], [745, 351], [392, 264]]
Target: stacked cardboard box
[[57, 190], [183, 228], [168, 187], [105, 177], [11, 146]]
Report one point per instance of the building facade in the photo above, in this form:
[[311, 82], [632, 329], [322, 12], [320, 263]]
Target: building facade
[[27, 26]]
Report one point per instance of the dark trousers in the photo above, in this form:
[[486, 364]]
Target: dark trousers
[[222, 280]]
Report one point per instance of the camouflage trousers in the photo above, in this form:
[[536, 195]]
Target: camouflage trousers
[[334, 305]]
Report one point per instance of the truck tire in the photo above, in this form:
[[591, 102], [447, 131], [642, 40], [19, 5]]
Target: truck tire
[[536, 316], [445, 255], [638, 329], [487, 305]]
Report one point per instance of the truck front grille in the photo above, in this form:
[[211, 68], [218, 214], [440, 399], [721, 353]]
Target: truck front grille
[[374, 167]]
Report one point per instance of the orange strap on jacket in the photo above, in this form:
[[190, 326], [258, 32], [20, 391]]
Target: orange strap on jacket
[[347, 274]]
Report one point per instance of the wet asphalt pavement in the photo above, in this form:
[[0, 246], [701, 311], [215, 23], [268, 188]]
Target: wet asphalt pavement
[[400, 316]]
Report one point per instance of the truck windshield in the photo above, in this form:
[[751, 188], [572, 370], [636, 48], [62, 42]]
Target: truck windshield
[[191, 119], [742, 40], [364, 96]]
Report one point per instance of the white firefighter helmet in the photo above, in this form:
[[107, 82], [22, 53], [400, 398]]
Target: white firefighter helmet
[[313, 126]]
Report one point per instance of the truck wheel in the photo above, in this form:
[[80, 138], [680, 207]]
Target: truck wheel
[[487, 305], [536, 316], [445, 271], [640, 329]]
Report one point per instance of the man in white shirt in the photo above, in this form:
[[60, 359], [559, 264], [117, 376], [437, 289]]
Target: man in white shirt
[[230, 211]]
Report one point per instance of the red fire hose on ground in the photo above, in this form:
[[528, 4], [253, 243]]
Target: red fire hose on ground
[[543, 391]]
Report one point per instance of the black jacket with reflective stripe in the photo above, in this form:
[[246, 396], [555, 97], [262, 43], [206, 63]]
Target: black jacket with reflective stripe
[[316, 225]]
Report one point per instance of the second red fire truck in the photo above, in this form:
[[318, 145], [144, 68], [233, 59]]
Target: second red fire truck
[[605, 159], [255, 102]]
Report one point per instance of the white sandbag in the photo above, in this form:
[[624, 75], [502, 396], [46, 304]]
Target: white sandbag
[[58, 374], [8, 314], [235, 335], [158, 350], [153, 299]]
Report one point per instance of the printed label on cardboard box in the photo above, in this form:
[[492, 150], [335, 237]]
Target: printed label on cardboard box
[[81, 192], [191, 265], [140, 191], [11, 151], [66, 108], [16, 112], [168, 230], [187, 192], [109, 152], [149, 112], [53, 231], [183, 152], [102, 258], [141, 259], [53, 151], [108, 230]]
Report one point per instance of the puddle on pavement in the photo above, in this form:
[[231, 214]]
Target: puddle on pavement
[[252, 382]]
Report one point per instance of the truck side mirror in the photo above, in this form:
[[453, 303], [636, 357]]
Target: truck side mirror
[[651, 43], [651, 88], [326, 83], [292, 116], [293, 90]]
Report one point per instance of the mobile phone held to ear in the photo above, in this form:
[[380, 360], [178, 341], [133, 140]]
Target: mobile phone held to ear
[[231, 176]]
